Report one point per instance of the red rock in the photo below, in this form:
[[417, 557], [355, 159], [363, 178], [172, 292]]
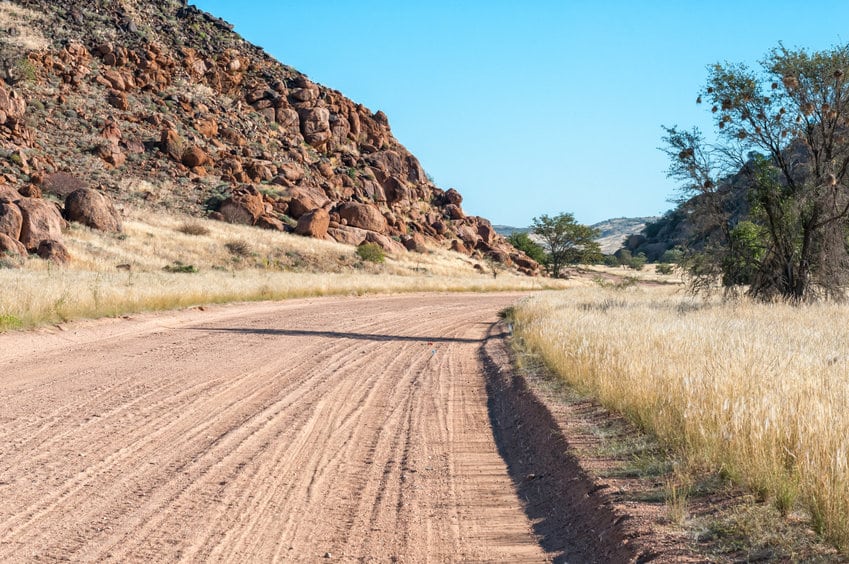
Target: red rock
[[315, 125], [270, 222], [172, 144], [12, 107], [11, 246], [30, 191], [94, 209], [452, 196], [11, 220], [454, 212], [458, 247], [314, 224], [41, 221], [415, 242], [385, 243], [348, 235], [54, 251], [245, 206], [207, 127], [194, 157], [8, 194], [118, 100], [364, 216]]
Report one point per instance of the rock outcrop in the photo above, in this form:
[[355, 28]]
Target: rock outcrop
[[177, 99]]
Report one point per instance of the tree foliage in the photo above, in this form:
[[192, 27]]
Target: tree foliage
[[783, 137], [524, 243], [567, 241]]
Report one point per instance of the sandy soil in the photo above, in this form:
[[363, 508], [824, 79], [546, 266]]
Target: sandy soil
[[344, 428]]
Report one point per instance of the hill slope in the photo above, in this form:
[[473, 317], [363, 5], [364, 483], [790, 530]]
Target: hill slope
[[161, 105]]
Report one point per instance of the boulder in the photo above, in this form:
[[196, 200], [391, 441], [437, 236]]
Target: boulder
[[384, 242], [458, 247], [41, 222], [94, 209], [8, 194], [314, 224], [194, 157], [348, 235], [415, 242], [11, 220], [315, 126], [485, 231], [245, 206], [12, 107], [270, 222], [172, 144], [54, 251], [452, 196], [364, 216], [306, 199], [9, 246], [453, 211]]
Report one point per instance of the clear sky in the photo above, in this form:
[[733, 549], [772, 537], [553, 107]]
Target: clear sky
[[535, 106]]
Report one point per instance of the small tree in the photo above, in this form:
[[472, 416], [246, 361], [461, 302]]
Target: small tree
[[784, 139], [567, 241], [527, 245]]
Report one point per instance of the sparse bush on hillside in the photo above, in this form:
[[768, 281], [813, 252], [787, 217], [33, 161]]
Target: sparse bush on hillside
[[371, 252], [193, 228], [239, 248]]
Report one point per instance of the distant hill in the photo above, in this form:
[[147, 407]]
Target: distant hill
[[612, 231]]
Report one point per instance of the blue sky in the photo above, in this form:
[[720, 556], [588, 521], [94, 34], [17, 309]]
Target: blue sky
[[538, 106]]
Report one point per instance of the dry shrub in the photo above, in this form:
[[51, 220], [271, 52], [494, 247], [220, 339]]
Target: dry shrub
[[193, 228]]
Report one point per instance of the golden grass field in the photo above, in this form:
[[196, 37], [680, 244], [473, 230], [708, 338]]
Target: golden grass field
[[756, 392], [112, 275]]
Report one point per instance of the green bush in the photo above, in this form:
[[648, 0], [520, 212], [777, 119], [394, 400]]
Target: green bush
[[664, 268], [371, 252], [524, 243]]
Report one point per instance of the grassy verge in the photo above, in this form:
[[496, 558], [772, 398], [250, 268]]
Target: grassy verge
[[757, 395], [166, 262]]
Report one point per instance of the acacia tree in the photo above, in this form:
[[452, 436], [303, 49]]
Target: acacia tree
[[567, 241], [783, 134]]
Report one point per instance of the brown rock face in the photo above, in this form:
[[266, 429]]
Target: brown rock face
[[94, 209], [194, 157], [41, 221], [54, 251], [452, 196], [348, 235], [8, 194], [454, 211], [12, 106], [364, 216], [314, 224], [9, 246], [11, 220], [245, 206], [315, 126], [415, 242]]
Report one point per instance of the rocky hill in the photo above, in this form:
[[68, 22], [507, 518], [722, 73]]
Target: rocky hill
[[155, 103]]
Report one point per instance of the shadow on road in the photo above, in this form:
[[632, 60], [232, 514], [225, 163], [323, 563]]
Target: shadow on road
[[337, 335], [571, 520]]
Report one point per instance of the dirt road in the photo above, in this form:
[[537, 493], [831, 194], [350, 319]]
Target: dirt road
[[344, 428]]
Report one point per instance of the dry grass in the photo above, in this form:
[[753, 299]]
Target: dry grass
[[26, 36], [759, 393], [155, 265]]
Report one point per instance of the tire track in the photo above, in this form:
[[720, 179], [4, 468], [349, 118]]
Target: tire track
[[258, 432]]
